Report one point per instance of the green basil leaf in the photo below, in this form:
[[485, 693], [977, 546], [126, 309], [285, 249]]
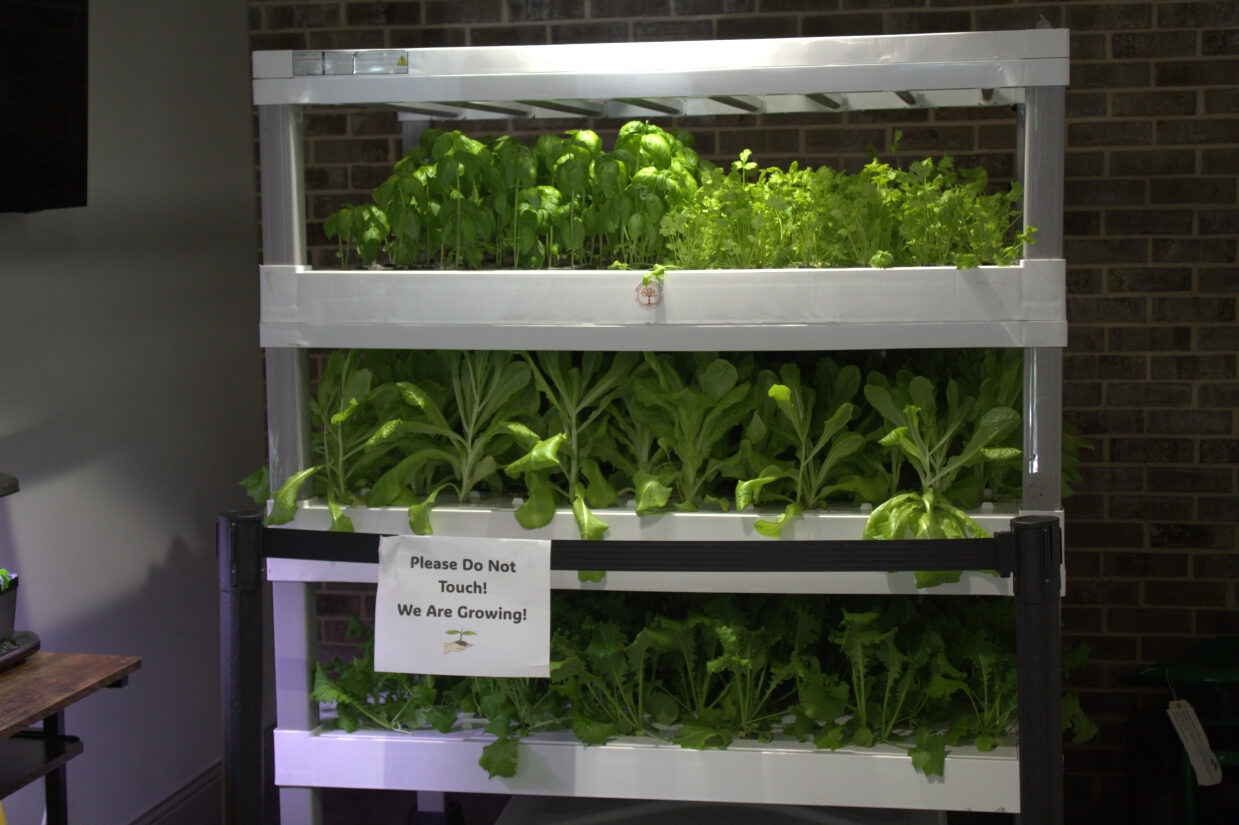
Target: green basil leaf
[[887, 517], [499, 758], [420, 398], [345, 414], [442, 717], [419, 513], [539, 506], [774, 529], [830, 737], [598, 492], [388, 487], [933, 578], [284, 503], [718, 379], [697, 736], [590, 526], [257, 485], [662, 706], [591, 731], [524, 436], [748, 491], [997, 454], [652, 492], [930, 760], [340, 523], [541, 456]]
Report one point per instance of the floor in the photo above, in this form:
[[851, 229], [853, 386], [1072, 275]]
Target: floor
[[360, 807]]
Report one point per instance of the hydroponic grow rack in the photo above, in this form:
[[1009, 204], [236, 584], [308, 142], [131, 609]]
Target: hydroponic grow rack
[[1020, 306]]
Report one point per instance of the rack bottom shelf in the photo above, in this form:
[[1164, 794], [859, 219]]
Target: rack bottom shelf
[[559, 810], [556, 764]]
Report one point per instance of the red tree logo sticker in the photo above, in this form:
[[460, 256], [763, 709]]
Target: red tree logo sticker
[[649, 295]]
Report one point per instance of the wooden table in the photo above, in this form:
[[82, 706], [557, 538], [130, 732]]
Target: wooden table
[[39, 689]]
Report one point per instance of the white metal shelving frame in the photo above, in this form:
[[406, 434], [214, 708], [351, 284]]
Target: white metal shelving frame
[[1021, 306]]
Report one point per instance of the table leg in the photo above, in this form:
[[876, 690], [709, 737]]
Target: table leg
[[54, 783]]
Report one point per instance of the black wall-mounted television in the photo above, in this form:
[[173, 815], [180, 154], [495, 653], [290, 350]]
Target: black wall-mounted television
[[43, 46]]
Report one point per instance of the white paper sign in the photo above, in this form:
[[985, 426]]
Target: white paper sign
[[463, 607], [1195, 742]]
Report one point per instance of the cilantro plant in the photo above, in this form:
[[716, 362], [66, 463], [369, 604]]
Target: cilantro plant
[[929, 214]]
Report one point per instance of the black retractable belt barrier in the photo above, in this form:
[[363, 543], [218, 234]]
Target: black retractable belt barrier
[[239, 549], [1038, 556], [837, 555]]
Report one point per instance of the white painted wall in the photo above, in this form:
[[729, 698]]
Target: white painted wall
[[131, 395]]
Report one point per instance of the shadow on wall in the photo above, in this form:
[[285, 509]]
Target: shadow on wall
[[122, 729]]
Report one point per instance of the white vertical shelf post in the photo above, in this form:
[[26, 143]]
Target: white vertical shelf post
[[280, 133], [296, 651], [1041, 159], [411, 133]]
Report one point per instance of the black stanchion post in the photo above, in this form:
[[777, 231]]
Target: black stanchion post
[[1038, 556], [239, 549]]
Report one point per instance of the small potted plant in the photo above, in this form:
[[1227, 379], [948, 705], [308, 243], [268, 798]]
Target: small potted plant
[[8, 603]]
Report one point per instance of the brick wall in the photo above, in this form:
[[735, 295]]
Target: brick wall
[[1152, 229]]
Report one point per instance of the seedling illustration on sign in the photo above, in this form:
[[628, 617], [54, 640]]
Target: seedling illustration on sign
[[458, 644]]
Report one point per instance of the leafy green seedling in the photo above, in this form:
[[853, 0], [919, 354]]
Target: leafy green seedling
[[692, 419], [490, 391], [930, 442], [818, 455]]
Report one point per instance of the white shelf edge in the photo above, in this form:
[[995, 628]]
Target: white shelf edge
[[965, 60], [482, 521], [557, 765], [1017, 306]]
